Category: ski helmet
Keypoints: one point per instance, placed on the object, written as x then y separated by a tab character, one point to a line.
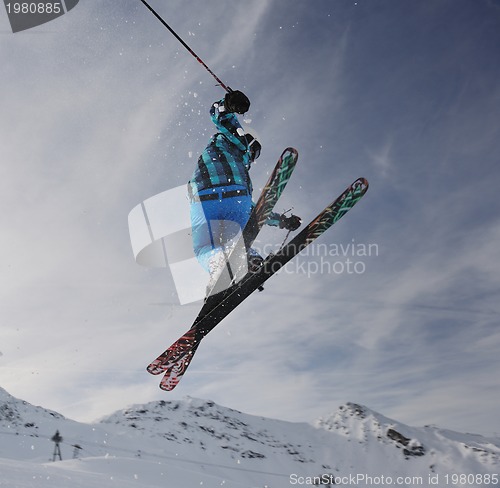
254	147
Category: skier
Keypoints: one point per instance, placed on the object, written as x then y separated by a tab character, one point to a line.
220	189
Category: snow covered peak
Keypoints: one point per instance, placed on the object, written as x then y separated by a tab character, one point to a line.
211	428
22	416
155	416
359	423
349	417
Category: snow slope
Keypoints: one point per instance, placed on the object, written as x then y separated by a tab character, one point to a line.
196	443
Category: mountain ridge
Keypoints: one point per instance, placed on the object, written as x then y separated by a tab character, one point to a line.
219	442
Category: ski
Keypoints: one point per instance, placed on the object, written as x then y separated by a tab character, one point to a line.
180	354
236	259
271	193
269	196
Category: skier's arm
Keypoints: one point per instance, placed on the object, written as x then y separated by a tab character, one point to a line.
227	123
274	219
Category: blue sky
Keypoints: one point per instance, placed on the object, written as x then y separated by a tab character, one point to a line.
103	108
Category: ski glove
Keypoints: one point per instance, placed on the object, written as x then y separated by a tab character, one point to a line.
290	223
254	147
236	101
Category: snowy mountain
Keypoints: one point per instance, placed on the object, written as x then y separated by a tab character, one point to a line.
196	443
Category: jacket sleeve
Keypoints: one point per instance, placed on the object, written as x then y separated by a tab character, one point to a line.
274	219
227	123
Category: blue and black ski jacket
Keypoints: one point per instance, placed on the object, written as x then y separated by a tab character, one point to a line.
226	159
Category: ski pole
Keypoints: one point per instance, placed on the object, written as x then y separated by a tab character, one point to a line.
186	46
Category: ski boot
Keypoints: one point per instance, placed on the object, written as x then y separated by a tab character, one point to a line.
255	262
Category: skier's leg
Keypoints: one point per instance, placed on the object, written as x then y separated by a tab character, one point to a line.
205	231
238	210
216	227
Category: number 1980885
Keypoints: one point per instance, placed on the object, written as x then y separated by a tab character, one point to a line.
34	8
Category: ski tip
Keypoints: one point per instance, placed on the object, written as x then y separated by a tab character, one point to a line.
168	386
155	368
172	377
364	181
